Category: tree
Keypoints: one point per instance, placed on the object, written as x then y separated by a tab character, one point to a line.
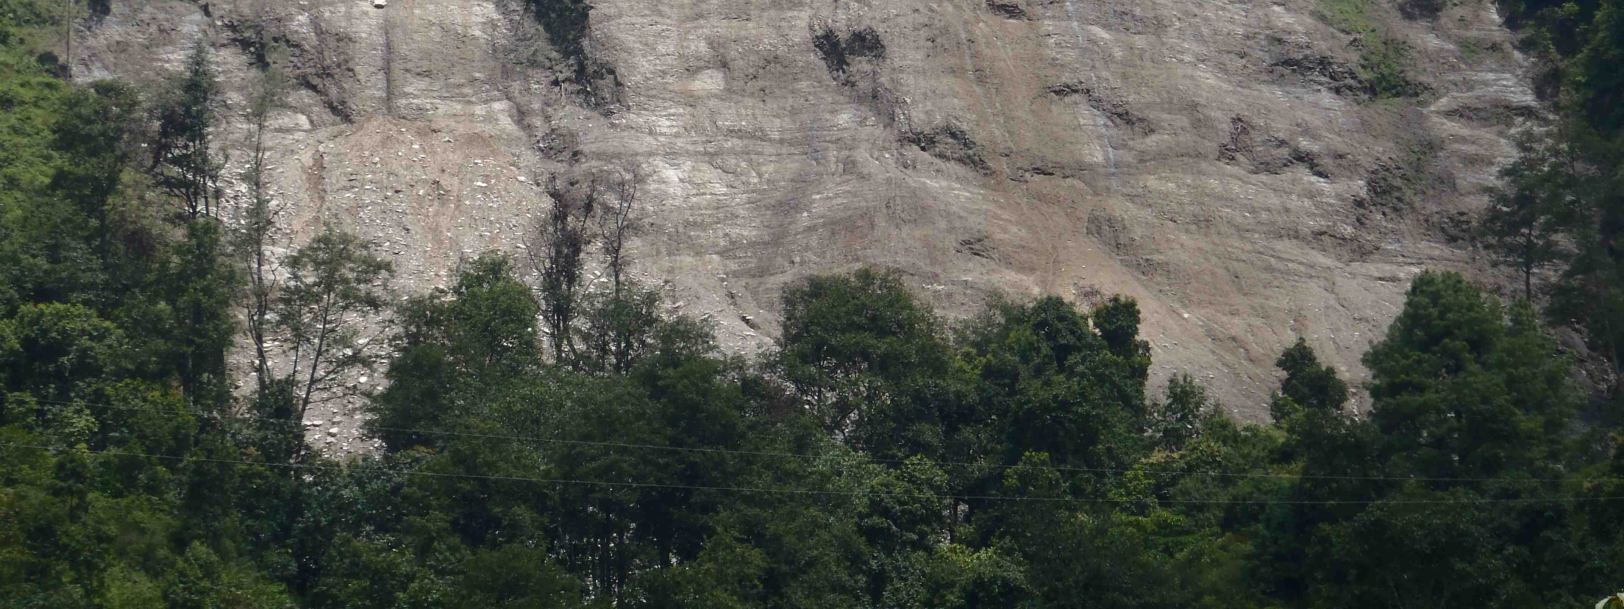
858	348
62	225
256	229
490	321
619	322
1459	390
55	351
1335	452
618	327
901	521
516	576
1117	321
330	281
183	162
1596	78
201	580
562	239
185	167
462	344
1527	223
200	286
617	224
1563	203
1049	383
1308	385
592	206
70	13
94	131
1423	555
1177	419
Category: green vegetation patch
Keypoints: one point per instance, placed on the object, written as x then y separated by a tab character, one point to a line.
1385	61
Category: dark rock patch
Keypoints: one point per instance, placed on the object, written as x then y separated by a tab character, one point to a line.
979	247
1268	154
1421	10
567	25
320	63
1008	9
839	53
1111	232
1322	71
949	143
1119	112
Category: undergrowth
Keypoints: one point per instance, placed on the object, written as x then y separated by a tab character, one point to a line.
1385	61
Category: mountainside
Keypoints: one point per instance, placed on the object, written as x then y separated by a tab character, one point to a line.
1249	171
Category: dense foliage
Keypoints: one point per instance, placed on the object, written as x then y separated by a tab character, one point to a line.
879	457
1560	219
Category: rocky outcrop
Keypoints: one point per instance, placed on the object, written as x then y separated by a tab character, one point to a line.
1223	162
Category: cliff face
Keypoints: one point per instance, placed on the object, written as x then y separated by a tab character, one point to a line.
1247	171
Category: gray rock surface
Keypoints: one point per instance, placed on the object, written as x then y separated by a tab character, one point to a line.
1218	160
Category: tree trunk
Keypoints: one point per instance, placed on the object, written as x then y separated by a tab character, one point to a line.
67	31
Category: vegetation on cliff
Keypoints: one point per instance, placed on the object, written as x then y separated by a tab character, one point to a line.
1560	217
612	456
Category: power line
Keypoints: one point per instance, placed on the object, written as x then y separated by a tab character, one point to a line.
815	457
819	492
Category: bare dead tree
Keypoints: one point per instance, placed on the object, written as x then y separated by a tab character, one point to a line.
616	223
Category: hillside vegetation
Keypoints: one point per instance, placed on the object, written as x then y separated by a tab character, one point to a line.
1559	219
562	443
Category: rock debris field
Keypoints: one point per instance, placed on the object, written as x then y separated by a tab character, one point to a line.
1224	162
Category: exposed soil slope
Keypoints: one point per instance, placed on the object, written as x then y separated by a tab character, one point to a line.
1242	168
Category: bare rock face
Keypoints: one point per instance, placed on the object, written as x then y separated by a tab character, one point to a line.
1230	164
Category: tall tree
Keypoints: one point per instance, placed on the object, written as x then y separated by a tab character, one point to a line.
70	14
1527	224
1050	383
561	240
618	327
256	226
457	347
617	223
95	132
619	322
1563	201
1460	389
1117	321
183	160
201	285
331	282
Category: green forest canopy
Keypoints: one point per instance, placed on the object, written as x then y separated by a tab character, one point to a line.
881	456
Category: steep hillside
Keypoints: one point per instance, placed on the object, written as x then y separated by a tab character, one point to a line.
1250	171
